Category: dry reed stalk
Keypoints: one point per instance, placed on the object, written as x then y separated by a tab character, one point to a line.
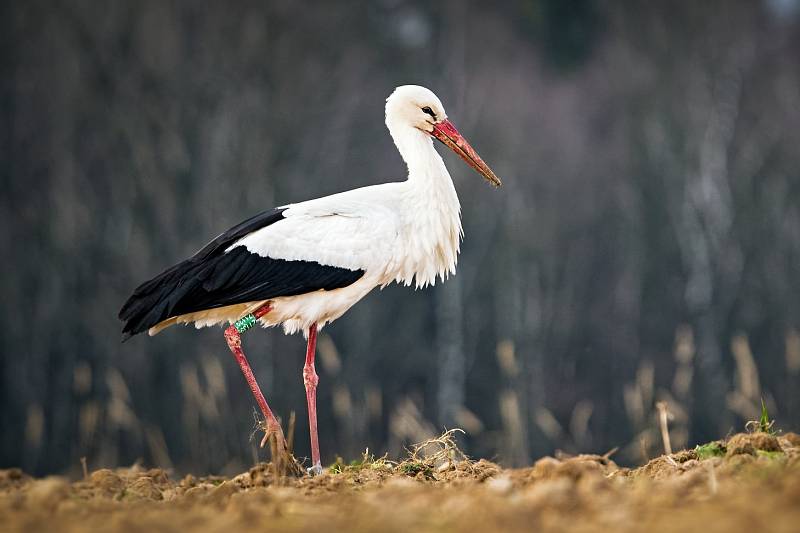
663	415
290	433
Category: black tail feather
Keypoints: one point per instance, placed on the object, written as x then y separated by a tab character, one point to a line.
237	276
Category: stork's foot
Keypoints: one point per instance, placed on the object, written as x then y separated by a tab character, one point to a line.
272	427
315	470
283	461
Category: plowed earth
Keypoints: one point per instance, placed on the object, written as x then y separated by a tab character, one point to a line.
751	482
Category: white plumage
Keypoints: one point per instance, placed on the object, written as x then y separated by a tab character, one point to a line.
408	232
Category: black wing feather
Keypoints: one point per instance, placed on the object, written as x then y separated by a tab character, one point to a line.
213	278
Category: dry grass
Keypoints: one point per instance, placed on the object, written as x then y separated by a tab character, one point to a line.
750	480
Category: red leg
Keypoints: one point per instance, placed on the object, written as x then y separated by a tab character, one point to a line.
310	380
234	339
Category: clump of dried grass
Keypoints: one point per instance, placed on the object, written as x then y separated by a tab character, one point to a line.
440	452
440	459
435	459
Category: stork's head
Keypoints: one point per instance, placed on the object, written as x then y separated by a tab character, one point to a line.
418	107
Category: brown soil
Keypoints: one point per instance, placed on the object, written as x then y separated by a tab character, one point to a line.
749	482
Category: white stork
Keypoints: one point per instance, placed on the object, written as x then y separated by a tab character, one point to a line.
303	265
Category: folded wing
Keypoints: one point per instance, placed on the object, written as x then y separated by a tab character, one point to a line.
285	251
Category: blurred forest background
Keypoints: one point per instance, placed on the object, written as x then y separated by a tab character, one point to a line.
645	247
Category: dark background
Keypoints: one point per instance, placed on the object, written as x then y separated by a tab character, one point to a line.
645	246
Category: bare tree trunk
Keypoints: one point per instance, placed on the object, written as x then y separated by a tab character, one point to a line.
450	348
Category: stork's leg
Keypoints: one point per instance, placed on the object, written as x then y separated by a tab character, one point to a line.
233	336
310	380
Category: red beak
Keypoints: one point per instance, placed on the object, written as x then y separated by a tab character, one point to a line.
448	134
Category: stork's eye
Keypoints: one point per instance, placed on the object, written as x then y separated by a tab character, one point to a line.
428	111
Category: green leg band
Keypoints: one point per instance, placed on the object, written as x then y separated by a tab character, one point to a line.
245	323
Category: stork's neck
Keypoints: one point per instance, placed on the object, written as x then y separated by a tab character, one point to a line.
431	211
427	174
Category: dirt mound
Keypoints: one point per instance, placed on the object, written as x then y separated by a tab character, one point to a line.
726	486
752	443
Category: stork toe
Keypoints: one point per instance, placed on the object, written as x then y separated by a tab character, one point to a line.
274	429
